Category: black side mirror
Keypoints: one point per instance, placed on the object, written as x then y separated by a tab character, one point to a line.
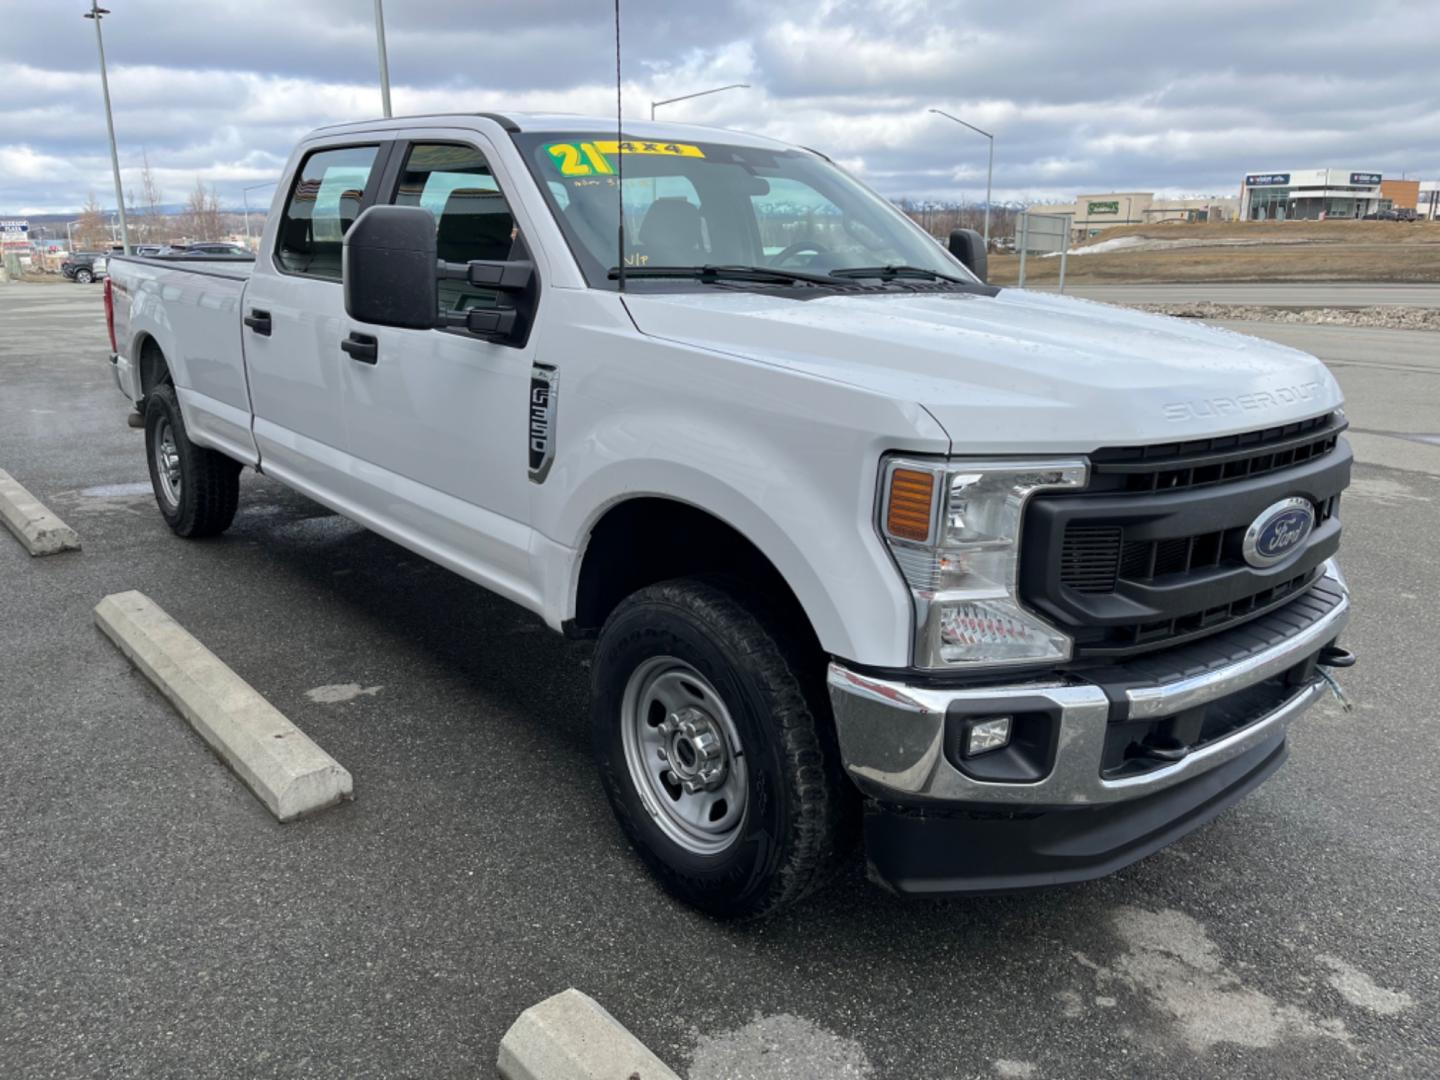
969	247
388	268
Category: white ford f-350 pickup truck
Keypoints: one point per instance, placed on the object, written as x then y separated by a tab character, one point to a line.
1023	586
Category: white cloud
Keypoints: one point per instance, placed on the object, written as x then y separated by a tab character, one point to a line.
1080	97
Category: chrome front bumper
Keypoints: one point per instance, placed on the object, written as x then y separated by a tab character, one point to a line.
892	734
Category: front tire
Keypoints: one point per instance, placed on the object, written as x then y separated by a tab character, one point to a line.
715	751
197	490
84	277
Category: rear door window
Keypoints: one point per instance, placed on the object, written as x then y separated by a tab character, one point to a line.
323	204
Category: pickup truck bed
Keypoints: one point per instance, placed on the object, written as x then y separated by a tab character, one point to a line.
202	300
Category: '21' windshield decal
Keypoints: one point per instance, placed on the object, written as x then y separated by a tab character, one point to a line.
594	158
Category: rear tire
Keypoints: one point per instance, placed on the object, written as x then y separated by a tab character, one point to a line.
703	664
197	490
84	277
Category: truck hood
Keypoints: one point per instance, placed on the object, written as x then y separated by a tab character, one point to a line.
1014	373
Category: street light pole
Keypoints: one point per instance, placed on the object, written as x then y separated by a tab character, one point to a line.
245	198
96	13
989	168
384	58
701	93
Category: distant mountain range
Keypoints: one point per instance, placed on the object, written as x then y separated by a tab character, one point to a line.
168	209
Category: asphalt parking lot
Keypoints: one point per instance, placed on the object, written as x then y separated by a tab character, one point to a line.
155	921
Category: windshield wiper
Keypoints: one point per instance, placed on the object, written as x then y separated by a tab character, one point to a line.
896	270
724	273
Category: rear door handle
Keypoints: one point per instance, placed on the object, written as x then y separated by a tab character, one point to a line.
362	347
259	321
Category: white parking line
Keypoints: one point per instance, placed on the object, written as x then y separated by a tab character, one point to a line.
37	528
570	1037
278	762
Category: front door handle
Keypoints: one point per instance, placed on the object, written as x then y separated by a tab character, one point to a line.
362	347
259	321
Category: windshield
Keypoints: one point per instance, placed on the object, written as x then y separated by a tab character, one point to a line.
691	204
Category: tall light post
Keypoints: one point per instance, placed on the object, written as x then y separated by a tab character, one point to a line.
96	13
384	58
245	198
989	169
701	93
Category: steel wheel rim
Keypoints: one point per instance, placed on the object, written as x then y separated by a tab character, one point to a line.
167	462
684	755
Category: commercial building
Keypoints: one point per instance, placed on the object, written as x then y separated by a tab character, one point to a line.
1399	194
1309	194
1427	202
1092	214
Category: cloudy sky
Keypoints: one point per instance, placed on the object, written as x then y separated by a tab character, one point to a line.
1082	96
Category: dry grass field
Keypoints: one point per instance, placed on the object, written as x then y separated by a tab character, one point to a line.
1244	251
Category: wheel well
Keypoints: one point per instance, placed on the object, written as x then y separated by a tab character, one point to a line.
642	541
153	369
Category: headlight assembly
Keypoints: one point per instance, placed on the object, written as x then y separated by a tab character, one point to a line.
954	529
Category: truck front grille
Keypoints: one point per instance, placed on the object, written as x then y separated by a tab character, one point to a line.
1150	555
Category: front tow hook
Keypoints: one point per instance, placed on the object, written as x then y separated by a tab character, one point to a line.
1336	657
1169	750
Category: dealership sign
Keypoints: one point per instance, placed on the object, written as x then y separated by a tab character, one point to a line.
1368	179
1102	207
1270	179
14	232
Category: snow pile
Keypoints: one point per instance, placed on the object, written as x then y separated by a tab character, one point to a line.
1387	317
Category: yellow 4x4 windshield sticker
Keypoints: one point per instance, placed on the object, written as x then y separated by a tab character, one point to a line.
593	158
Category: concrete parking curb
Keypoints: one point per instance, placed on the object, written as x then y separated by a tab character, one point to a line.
278	762
37	528
570	1037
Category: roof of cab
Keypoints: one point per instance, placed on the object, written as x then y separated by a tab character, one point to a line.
560	122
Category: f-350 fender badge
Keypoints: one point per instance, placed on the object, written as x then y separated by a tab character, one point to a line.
544	397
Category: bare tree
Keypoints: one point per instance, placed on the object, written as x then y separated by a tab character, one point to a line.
91	233
155	228
940	217
202	220
132	217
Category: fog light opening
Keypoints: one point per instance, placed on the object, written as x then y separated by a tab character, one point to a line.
986	735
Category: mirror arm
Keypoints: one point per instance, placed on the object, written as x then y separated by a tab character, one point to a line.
489	274
499	323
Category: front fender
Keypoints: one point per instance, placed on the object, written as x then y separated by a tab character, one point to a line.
810	518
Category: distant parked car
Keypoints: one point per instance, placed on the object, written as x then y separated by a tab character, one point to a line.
149	249
210	249
84	266
1394	213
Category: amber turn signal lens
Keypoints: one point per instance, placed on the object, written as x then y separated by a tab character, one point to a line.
912	493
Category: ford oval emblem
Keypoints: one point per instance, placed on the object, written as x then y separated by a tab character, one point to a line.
1278	532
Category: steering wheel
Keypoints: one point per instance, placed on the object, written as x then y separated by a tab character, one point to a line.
796	248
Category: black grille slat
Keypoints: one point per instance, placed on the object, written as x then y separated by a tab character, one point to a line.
1172	556
1185	626
1090	558
1200	462
1138	560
